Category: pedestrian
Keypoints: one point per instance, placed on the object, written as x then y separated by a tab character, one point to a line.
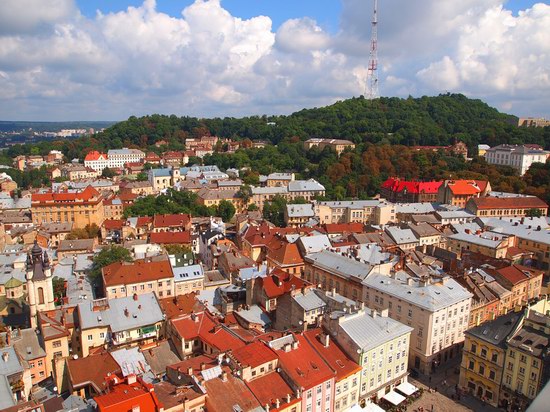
432	410
444	382
430	379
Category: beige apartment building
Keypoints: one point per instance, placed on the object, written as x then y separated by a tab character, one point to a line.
83	208
378	212
123	279
438	310
338	145
487	243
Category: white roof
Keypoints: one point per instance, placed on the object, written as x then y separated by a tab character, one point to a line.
407	388
296	210
401	236
305	186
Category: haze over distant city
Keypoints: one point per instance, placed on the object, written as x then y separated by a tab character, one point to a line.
94	60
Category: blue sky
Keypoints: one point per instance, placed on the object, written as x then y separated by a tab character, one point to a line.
253	57
325	12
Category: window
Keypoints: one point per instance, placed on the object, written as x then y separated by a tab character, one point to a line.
492	375
523	358
410	313
471	365
494	357
102	335
483	352
482	369
474	348
56	343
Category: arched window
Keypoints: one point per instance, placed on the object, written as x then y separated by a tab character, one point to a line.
40	296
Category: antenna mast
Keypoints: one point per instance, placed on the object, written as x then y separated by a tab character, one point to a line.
372	71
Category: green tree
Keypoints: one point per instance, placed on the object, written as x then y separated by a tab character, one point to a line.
534	213
274	211
108	173
87	232
226	210
107	256
141	177
245	193
58	289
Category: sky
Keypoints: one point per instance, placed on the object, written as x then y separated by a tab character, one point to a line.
110	59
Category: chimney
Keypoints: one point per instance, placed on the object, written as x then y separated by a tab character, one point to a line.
135	296
190	371
203	366
374	314
326	340
131	379
288	398
266	407
277	403
224	376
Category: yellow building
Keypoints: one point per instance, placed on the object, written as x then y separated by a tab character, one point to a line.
84	208
484	355
378	212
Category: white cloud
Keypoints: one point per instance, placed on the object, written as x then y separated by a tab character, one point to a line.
57	64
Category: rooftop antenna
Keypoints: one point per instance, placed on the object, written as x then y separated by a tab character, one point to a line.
372	71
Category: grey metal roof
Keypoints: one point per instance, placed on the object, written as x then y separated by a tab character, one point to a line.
274	190
338	264
455	214
369	332
305	185
309	301
296	210
401	236
27	344
432	296
496	331
354	204
6	395
486	239
11	365
316	243
143	311
132	361
185	273
254	315
414	208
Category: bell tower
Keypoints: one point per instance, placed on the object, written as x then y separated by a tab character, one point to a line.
39	283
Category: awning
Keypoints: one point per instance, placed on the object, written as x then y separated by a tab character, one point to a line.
407	388
369	407
393	397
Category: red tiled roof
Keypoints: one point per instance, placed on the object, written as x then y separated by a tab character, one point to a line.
397	185
111	224
95	155
303	365
124	273
180	305
465	187
222	396
124	397
280	283
164	238
333	228
92	369
518	273
86	195
490	202
195	363
286	254
254	354
268	388
144	221
179	220
206	329
332	355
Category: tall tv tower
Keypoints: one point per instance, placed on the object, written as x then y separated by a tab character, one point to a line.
372	70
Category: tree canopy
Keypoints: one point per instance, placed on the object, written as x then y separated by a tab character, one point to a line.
107	256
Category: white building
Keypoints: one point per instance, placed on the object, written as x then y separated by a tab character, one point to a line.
438	310
119	157
519	157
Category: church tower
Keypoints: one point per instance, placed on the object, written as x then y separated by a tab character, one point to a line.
39	283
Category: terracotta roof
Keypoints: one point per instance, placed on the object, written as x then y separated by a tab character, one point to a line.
518	273
91	370
465	187
124	397
164	238
253	354
280	283
268	388
333	228
303	365
332	355
286	254
397	185
111	224
207	330
223	396
179	220
490	202
124	273
144	221
95	155
84	196
195	363
180	305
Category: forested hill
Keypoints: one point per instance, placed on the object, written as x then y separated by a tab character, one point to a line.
438	120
